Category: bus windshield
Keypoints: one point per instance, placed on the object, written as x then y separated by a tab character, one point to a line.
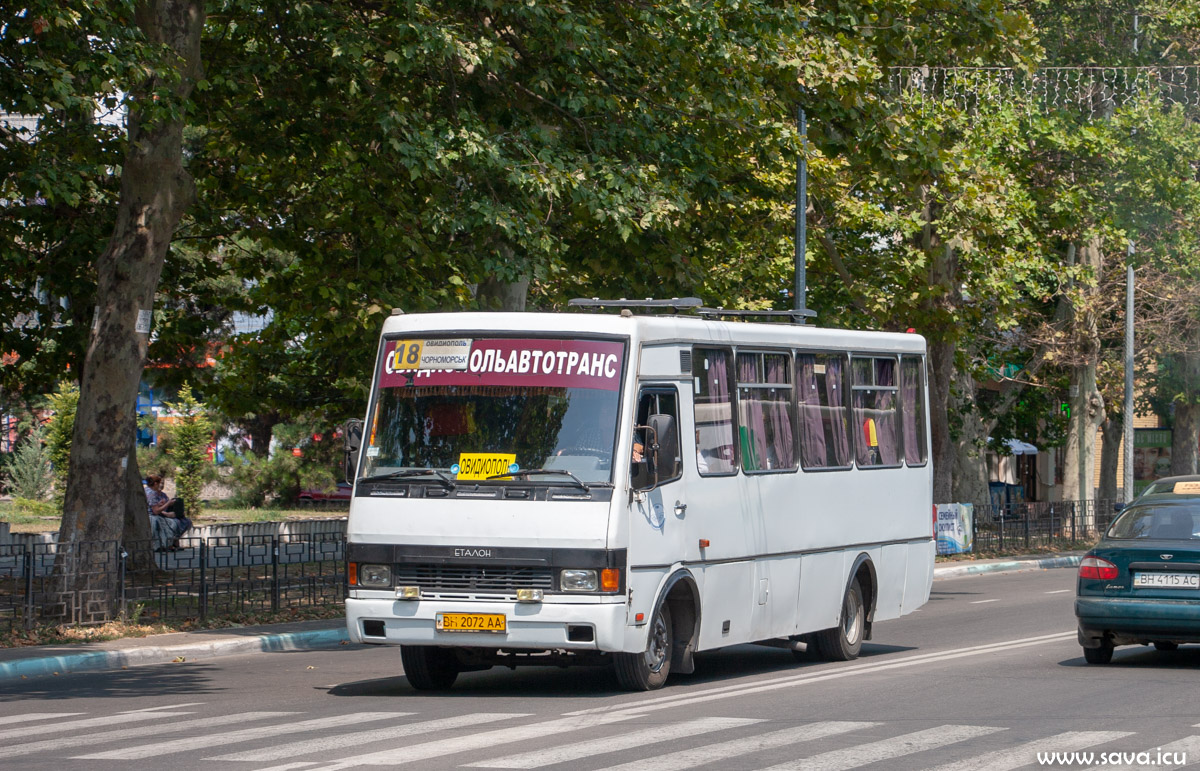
474	409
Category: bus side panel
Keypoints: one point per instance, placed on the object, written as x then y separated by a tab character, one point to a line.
776	591
724	599
820	601
644	586
891	572
920	575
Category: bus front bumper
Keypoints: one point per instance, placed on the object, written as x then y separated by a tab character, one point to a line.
592	626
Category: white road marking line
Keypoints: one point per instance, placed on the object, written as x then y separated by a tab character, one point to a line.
736	748
606	744
294	766
156	709
359	738
1060	591
1188	745
1026	754
436	749
884	749
849	670
91	722
86	740
27	717
188	743
980	602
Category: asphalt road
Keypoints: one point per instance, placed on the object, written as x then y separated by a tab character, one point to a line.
986	675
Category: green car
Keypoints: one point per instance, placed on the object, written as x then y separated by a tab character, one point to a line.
1141	583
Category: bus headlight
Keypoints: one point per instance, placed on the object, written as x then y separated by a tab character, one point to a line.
578	581
375	576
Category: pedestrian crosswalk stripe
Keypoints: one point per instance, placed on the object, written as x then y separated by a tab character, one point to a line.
91	722
734	748
189	743
1026	754
358	738
435	749
1188	745
895	747
85	740
591	747
30	716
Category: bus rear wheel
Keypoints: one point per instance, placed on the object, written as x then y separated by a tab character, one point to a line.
429	668
844	641
648	670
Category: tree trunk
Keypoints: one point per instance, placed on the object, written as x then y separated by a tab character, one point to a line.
495	295
155	191
970	480
943	346
135	534
1113	433
1186	432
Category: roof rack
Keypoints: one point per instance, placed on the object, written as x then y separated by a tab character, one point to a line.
676	304
797	316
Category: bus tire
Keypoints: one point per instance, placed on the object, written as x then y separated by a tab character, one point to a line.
844	641
429	668
648	670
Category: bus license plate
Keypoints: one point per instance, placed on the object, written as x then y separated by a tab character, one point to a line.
1167	580
471	622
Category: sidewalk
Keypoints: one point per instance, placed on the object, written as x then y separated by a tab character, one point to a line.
37	661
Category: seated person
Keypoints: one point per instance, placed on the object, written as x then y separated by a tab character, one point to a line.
166	514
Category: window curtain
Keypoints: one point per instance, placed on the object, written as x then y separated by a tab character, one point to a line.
885	377
911	412
813	452
718	454
752	429
835	397
783	444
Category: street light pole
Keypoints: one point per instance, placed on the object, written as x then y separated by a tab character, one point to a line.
801	294
1127	477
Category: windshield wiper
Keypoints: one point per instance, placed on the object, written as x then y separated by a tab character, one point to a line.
528	472
445	481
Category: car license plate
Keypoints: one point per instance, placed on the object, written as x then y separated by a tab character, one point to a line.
1167	580
471	622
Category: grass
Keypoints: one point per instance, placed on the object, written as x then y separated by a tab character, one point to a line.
221	514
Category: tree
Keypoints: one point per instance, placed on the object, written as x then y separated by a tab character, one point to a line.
191	434
155	190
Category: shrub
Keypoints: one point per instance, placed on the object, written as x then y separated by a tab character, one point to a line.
190	436
27	471
283	475
63	402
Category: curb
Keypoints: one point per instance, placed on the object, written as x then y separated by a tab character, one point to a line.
91	661
1012	566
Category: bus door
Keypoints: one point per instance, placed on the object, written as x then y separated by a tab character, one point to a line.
659	508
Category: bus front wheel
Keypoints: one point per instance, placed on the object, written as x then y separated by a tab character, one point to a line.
648	670
844	641
429	668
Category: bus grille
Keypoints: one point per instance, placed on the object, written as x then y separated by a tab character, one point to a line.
500	579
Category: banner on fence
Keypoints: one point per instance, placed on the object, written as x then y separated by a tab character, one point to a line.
955	528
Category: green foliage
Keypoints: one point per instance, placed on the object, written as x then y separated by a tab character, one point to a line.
191	434
63	404
27	471
282	476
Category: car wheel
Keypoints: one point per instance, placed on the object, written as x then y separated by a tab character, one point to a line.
1101	655
844	641
648	670
429	668
1162	645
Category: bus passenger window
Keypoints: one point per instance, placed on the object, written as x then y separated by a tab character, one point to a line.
874	409
765	411
711	378
912	409
821	396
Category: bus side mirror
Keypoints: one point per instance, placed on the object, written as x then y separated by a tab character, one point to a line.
666	460
353	433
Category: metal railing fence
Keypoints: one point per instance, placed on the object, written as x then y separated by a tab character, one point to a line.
97	582
1040	524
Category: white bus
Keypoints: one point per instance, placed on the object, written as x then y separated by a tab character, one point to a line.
595	488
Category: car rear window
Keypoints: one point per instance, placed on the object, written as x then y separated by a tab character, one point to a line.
1158	522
